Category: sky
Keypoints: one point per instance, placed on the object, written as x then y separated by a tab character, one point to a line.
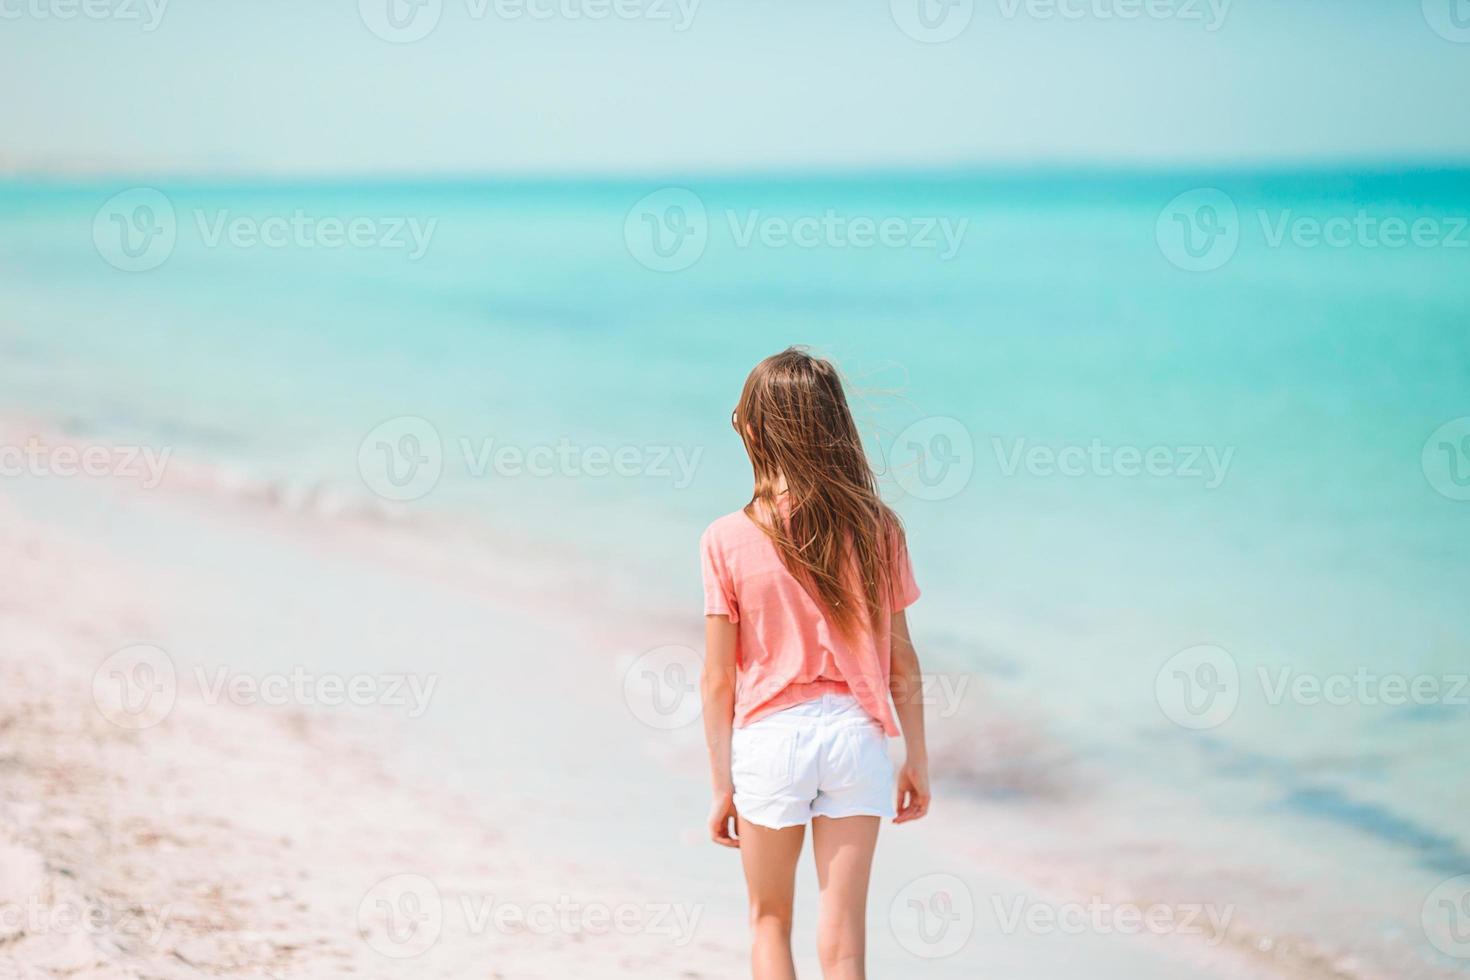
530	87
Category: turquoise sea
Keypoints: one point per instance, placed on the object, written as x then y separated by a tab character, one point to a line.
1290	350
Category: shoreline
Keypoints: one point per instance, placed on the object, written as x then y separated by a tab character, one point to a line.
559	824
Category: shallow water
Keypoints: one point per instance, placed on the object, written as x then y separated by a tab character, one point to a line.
1300	518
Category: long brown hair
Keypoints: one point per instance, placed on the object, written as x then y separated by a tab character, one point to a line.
832	531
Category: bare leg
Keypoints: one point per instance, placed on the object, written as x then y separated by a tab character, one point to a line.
769	857
843	848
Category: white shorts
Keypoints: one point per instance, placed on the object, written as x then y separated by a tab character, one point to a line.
822	758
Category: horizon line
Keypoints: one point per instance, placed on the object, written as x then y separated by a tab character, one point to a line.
1364	166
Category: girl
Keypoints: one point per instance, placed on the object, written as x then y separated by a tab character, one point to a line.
805	643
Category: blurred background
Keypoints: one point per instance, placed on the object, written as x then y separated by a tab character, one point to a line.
1156	317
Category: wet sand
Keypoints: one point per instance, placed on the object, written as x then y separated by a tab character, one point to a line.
504	811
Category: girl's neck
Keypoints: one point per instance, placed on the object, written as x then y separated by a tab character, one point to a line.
769	509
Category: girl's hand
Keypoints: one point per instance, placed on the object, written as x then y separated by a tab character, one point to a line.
913	791
722	820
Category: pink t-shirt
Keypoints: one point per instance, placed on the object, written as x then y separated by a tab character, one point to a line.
788	651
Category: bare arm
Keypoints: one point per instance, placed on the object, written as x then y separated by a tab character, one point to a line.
717	692
905	683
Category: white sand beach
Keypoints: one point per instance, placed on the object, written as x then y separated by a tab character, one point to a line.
495	806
